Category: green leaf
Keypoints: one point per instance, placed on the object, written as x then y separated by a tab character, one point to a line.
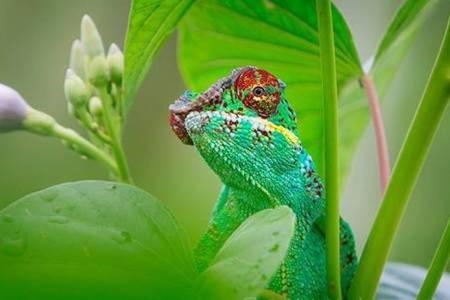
280	36
404	176
354	107
250	257
403	27
150	24
92	240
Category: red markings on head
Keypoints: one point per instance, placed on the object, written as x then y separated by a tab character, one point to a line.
177	123
259	90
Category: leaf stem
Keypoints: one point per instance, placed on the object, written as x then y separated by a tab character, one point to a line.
405	174
440	260
329	87
87	123
83	146
380	133
116	139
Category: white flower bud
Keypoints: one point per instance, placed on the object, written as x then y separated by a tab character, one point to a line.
77	59
115	64
13	109
98	71
75	90
95	106
90	37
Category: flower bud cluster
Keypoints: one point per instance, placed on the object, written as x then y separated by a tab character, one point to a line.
90	73
93	90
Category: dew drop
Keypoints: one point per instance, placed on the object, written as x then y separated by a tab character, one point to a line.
58	219
70	207
57	209
274	248
49	195
12	247
112	187
7	218
123	237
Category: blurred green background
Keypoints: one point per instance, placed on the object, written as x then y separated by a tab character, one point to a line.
35	39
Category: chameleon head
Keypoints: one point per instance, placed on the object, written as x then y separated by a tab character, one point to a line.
242	126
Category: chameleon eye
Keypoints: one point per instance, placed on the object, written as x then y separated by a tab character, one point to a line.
258	90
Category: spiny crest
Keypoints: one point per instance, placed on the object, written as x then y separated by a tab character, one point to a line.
246	91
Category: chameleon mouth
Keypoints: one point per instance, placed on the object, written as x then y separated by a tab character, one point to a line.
189	102
178	112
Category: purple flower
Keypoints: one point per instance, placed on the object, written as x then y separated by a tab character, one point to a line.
13	109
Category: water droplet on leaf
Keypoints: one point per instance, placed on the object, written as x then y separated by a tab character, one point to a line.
111	187
274	248
49	195
7	218
123	237
57	209
58	219
12	247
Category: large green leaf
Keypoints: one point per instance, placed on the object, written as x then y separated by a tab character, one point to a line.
150	23
92	240
281	36
250	257
354	107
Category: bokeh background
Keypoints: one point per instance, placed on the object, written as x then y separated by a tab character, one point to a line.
35	39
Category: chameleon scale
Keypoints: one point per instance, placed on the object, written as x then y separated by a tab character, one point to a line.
247	133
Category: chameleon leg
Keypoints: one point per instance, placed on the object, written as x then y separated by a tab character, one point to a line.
230	212
223	197
300	277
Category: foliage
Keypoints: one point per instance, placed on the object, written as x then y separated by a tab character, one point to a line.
150	24
289	48
395	44
407	169
98	239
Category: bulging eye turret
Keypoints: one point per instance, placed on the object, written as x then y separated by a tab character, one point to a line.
258	90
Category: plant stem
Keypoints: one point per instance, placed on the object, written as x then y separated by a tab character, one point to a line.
380	133
329	87
404	176
116	139
83	146
440	260
87	123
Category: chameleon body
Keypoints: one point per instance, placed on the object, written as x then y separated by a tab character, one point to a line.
246	131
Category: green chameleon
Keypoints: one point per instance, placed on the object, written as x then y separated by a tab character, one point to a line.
246	131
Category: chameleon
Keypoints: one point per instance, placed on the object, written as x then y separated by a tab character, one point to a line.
246	131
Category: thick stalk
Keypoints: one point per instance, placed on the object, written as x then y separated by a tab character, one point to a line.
116	139
384	167
404	176
329	87
440	260
40	123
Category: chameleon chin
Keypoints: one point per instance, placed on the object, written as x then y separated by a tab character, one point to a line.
245	130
